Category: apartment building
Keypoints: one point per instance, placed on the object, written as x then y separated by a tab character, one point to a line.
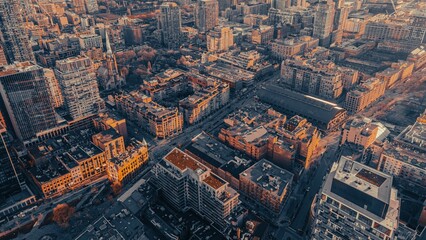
186	183
364	95
66	163
355	201
260	131
220	39
106	121
267	184
126	165
262	34
397	71
160	121
79	86
311	76
89	41
360	131
418	57
110	141
204	102
283	49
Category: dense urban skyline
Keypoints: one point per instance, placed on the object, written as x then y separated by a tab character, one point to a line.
213	119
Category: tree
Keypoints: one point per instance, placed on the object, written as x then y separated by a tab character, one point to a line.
62	214
116	188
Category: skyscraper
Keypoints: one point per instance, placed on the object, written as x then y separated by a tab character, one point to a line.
170	24
356	202
13	36
206	14
25	94
77	79
323	22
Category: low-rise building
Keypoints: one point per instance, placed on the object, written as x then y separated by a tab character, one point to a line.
360	131
396	72
167	84
186	183
418	57
364	95
323	114
219	39
262	34
65	163
125	166
282	49
204	102
260	131
267	184
110	141
160	121
106	121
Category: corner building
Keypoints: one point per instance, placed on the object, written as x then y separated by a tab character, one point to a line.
186	183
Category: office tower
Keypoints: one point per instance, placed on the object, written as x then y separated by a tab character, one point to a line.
9	179
323	22
170	24
206	14
355	202
25	94
77	79
187	183
14	39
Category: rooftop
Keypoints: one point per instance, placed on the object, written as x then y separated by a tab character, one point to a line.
360	187
268	176
184	161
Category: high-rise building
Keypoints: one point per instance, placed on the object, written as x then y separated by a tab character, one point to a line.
25	94
170	24
323	22
15	41
187	183
3	59
220	39
356	202
77	79
54	88
206	14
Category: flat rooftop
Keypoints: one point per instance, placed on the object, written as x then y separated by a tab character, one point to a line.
269	176
183	161
214	181
360	187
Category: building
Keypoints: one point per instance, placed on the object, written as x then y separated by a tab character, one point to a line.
17	46
364	95
79	85
259	131
267	184
186	183
355	201
110	77
405	157
159	121
110	141
418	57
125	166
204	102
65	163
55	92
91	6
224	161
206	14
133	35
89	41
282	49
170	24
262	34
25	92
325	115
360	131
220	39
106	121
3	59
319	78
396	72
323	22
